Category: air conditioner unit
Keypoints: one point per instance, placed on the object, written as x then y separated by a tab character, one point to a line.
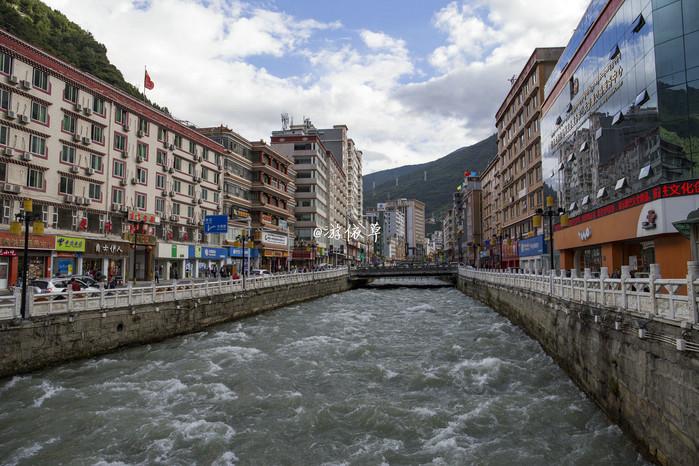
78	107
174	218
123	182
24	119
88	111
140	133
76	137
89	171
26	156
194	200
124	154
86	200
172	147
74	169
165	144
13	80
86	140
190	221
164	192
68	198
139	159
124	208
126	127
200	201
116	207
171	170
172	193
8	151
11	188
133	180
200	159
11	115
25	84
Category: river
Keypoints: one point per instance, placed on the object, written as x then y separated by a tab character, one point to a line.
401	376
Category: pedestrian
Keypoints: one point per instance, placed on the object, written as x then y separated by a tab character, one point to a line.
174	273
158	271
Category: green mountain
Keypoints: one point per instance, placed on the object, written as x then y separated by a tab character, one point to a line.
50	30
433	182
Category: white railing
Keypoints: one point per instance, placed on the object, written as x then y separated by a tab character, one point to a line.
69	302
656	298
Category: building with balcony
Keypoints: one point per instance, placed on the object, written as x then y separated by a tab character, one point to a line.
491	213
118	184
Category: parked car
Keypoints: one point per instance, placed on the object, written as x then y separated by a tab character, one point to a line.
260	273
58	285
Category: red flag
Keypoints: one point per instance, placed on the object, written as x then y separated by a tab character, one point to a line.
147	82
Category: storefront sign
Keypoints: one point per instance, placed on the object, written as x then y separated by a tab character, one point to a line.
238	252
136	216
8	253
173	251
10	241
68	244
266	218
272	238
585	234
531	246
65	266
239	212
271	253
141	239
106	248
203	252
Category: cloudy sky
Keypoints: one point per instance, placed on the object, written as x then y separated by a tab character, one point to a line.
413	79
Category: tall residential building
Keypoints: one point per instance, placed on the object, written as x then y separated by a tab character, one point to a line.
414	213
619	138
519	145
472	226
122	188
491	213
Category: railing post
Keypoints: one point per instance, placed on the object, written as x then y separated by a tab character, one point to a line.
625	275
153	293
174	290
692	274
18	302
587	275
70	299
30	302
130	296
603	275
102	297
651	288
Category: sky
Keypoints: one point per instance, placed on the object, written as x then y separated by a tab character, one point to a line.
412	79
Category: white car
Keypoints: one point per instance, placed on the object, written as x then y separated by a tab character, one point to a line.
260	273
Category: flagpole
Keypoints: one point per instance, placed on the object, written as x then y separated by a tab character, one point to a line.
145	73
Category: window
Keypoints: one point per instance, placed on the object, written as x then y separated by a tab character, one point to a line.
122	116
177	186
161	157
68	155
119	169
4	135
216	197
162	134
70	93
190	168
216	177
204	173
159	205
190	211
37	145
175	208
96	162
192	147
35	179
206	154
40	79
178	163
190	190
5	63
205	194
39	112
5	99
98	105
117	196
142	150
66	185
178	141
69	123
302	146
160	181
143	125
95	191
97	134
140	201
120	142
142	175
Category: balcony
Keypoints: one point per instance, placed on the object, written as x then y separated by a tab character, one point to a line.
271	189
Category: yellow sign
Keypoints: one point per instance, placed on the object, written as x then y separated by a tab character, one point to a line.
68	244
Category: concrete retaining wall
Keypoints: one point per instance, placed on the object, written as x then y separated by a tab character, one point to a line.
42	341
646	386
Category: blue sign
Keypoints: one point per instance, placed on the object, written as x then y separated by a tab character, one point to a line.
531	246
216	224
238	252
202	252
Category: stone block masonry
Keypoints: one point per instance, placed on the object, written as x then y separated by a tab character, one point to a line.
645	385
42	341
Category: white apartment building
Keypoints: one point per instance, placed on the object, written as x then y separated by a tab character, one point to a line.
121	187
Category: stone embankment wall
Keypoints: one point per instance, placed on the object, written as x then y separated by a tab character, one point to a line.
42	341
645	385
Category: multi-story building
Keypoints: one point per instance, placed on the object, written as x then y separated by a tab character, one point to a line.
414	212
448	235
320	191
491	213
394	228
472	230
619	138
519	145
237	194
119	185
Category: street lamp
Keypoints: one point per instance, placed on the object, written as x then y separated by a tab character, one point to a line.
550	212
16	228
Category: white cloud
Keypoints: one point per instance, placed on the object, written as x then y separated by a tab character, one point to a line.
199	55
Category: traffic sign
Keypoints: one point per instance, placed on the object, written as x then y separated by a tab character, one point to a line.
216	224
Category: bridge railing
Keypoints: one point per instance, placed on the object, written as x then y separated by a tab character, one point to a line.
42	304
670	300
378	269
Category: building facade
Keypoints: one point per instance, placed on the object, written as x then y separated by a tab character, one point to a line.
519	147
491	214
414	213
619	136
114	180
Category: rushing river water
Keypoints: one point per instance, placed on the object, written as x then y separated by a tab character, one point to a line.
398	376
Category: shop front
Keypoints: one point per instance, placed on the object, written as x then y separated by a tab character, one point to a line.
170	260
207	260
11	250
105	258
273	251
238	259
636	232
68	256
532	254
141	256
510	254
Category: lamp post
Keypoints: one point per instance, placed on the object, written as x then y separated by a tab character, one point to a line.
550	212
26	217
